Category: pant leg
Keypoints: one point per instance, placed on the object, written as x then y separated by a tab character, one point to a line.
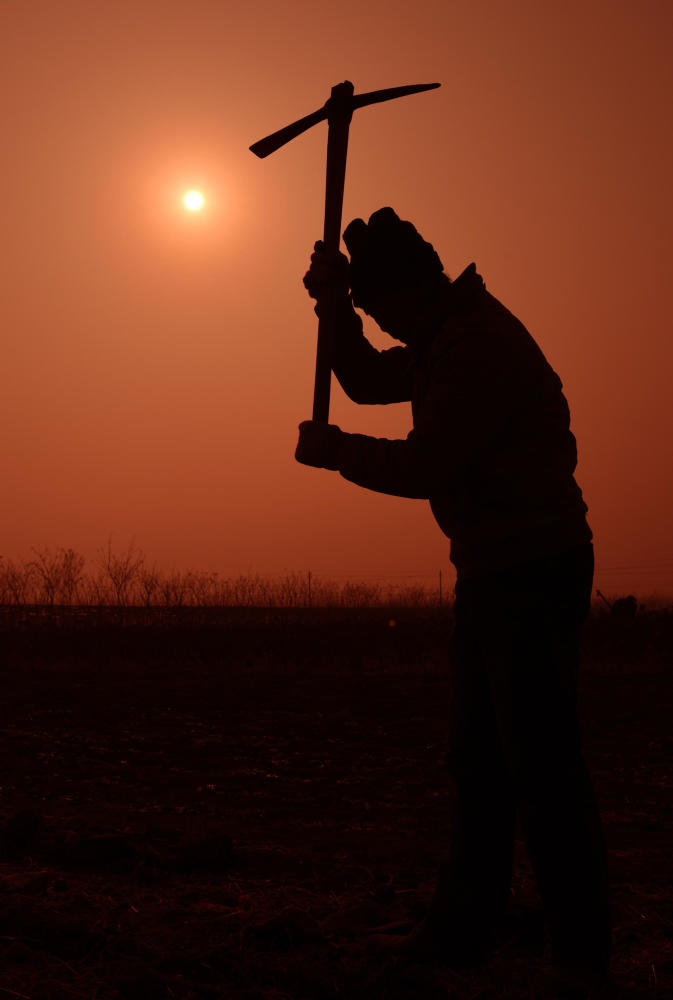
473	891
531	652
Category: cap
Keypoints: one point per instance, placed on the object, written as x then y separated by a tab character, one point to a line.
387	254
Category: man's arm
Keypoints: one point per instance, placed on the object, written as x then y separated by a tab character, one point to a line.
469	400
365	374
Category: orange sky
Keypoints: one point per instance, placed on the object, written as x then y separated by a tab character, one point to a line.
157	363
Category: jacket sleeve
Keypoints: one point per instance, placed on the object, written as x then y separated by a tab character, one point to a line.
365	374
468	400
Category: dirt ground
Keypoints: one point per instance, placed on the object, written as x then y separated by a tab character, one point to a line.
237	811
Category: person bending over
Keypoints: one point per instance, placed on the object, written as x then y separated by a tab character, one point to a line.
492	451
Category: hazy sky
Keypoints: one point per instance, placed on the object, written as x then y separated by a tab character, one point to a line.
157	362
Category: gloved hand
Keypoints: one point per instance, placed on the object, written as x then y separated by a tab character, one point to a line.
318	444
328	273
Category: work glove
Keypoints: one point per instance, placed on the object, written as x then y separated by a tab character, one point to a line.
328	273
319	444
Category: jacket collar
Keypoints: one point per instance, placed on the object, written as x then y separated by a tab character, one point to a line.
462	295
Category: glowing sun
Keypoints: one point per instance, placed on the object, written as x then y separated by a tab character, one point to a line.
193	201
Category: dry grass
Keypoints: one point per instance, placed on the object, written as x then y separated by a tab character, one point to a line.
123	579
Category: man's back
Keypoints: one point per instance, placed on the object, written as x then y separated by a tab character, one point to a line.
491	446
513	496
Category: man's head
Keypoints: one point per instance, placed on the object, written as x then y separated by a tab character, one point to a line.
395	275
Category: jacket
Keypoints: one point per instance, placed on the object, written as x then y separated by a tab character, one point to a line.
491	446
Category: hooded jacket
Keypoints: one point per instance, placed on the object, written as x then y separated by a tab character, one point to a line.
491	446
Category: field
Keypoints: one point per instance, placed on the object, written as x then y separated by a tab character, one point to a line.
204	808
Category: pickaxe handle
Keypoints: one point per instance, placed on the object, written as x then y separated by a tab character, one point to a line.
338	110
339	117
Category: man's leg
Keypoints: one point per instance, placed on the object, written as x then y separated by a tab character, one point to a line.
472	895
532	661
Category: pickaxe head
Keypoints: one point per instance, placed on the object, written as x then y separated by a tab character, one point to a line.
341	104
337	110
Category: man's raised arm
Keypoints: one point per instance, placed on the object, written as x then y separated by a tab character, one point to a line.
366	375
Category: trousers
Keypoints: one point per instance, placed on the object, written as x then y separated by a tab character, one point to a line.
515	744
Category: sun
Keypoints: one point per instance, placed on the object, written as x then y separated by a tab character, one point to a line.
193	201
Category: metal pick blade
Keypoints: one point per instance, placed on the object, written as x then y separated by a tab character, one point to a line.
376	96
277	139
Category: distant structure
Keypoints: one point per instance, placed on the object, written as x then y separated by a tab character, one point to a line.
623	609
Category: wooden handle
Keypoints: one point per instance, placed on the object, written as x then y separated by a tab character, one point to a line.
339	118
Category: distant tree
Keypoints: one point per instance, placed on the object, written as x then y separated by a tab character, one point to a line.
293	590
173	589
47	570
412	596
73	569
241	591
360	595
264	595
58	574
202	589
121	570
17	581
94	589
148	584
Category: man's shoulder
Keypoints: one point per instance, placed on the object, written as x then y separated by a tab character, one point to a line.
489	337
475	329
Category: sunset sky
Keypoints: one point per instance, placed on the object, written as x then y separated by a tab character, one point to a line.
157	361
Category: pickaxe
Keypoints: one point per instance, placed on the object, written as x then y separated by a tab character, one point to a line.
338	110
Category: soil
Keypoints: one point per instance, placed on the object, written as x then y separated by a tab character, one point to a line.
252	809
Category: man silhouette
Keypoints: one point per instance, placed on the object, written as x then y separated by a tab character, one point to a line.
491	449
